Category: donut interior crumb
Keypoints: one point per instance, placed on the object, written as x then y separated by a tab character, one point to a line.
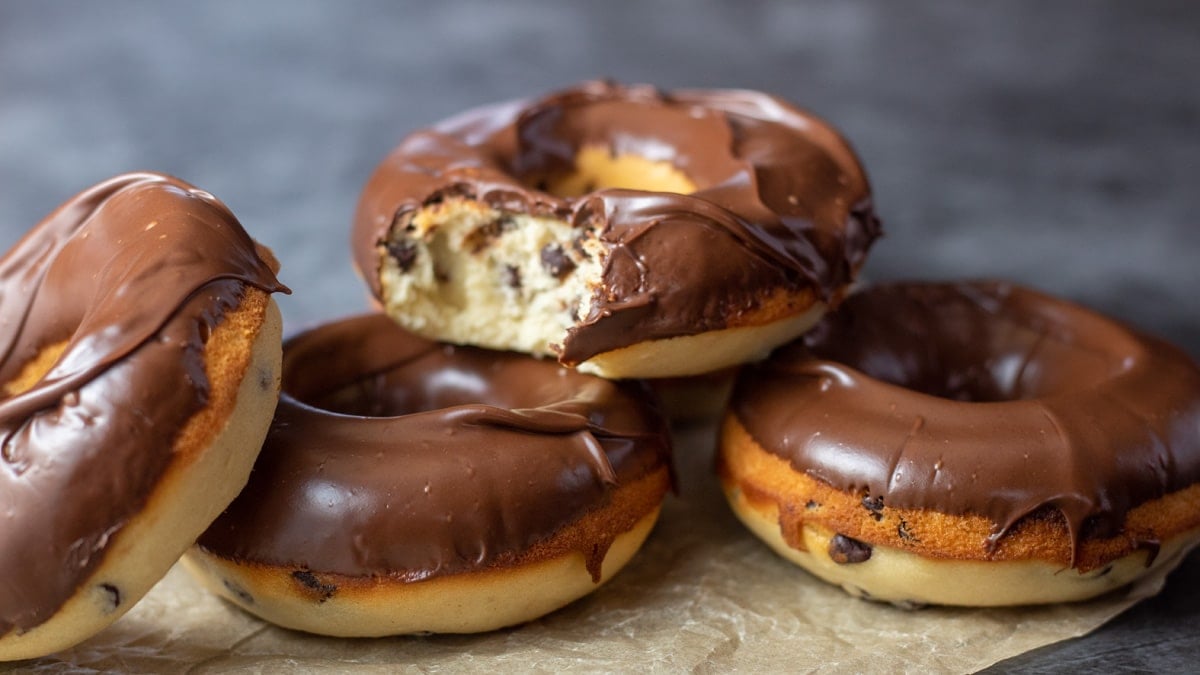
470	273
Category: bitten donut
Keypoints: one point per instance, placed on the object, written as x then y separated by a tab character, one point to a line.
140	371
629	232
410	487
969	444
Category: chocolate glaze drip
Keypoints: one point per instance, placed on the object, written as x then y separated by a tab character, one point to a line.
781	201
981	398
391	455
132	274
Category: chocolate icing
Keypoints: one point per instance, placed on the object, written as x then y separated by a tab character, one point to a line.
981	398
781	201
391	455
133	274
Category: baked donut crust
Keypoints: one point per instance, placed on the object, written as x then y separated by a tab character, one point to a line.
411	487
916	557
149	510
969	444
625	231
489	599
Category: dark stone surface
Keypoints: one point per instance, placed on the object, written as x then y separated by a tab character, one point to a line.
1054	143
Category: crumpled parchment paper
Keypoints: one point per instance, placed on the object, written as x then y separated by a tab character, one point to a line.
703	595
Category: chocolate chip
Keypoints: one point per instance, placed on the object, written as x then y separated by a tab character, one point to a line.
403	220
904	533
874	505
482	236
810	505
577	245
512	276
313	584
843	550
238	592
405	253
112	599
1152	547
555	260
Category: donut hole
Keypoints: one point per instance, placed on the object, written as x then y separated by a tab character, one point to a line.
404	392
955	344
436	377
597	168
632	142
33	371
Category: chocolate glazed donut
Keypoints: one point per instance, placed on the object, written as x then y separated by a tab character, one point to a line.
140	362
975	443
408	486
627	231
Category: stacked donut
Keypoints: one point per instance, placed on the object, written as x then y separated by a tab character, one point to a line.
482	451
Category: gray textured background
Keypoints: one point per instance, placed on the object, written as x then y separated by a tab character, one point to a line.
1054	143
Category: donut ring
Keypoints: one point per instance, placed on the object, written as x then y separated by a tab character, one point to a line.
476	490
969	444
629	232
140	370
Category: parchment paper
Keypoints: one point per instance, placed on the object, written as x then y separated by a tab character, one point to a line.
703	595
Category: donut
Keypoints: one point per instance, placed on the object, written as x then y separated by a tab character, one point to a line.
626	231
140	370
411	487
976	444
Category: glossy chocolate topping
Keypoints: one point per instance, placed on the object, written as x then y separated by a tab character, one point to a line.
132	274
981	398
394	456
781	201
